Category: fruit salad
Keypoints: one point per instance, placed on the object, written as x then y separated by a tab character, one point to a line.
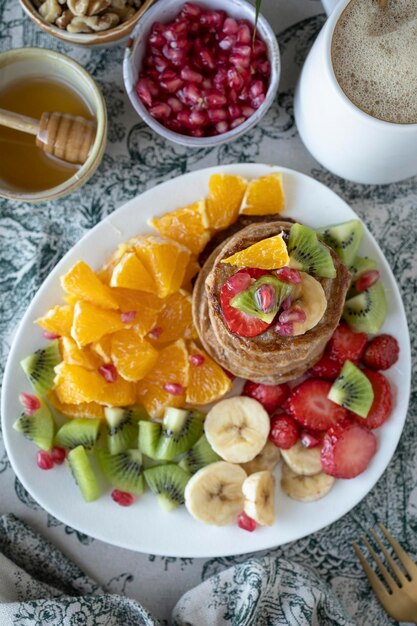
131	385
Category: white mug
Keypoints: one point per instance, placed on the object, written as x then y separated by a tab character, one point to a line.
342	137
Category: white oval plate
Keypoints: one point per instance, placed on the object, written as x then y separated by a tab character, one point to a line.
145	527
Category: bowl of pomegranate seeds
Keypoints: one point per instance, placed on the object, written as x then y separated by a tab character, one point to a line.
201	75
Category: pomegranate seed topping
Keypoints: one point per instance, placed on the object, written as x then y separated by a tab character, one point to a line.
285	330
50	336
196	359
207	83
256	102
287	303
265	298
177	57
230	26
161	64
175	389
184	118
247	111
214	98
191	10
217	115
245	522
234	111
292	315
175	104
227	42
44	460
222	127
156	332
310	440
244	34
239	282
239	61
192	94
160	111
58	455
207	59
128	316
289	275
124	498
366	280
264	68
244	51
156	39
237	122
198	118
30	403
190	75
258	48
232	96
197	132
172	85
256	88
108	372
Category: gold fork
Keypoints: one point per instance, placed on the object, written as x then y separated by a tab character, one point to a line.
398	595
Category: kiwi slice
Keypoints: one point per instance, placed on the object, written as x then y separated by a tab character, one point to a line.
247	303
149	435
39	427
360	265
83	473
122	427
353	390
39	367
168	483
367	311
180	431
81	431
123	470
308	254
200	455
344	239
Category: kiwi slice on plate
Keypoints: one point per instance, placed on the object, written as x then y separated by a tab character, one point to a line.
367	311
122	427
344	239
360	265
39	367
123	470
81	431
180	431
308	254
353	390
200	455
248	301
83	473
39	427
168	483
149	435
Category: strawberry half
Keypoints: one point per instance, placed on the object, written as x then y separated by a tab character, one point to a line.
327	368
271	397
381	352
346	345
347	450
382	405
236	321
309	405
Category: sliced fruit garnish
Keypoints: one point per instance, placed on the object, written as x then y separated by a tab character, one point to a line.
189	226
83	283
39	427
224	200
382	405
165	259
236	321
58	320
83	409
305	488
133	357
123	470
39	367
284	431
83	474
122	427
267	254
102	348
208	381
309	405
308	254
267	459
74	355
200	455
272	397
191	270
134	300
74	384
259	492
130	273
360	265
263	298
352	390
381	353
303	461
327	367
346	344
306	307
367	311
347	450
81	431
168	483
344	239
179	431
264	196
91	323
175	320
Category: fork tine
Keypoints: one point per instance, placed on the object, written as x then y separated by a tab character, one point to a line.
389	581
379	589
401	554
397	571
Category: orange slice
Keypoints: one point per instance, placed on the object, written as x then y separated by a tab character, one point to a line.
133	357
268	254
191	270
102	348
175	321
74	355
264	196
165	259
172	366
133	300
75	384
225	197
207	382
91	323
105	272
131	273
84	284
189	226
58	320
84	409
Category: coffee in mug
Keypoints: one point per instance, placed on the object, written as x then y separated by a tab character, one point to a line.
374	58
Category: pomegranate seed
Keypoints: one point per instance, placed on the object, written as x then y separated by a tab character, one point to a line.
258	48
190	75
156	332
156	39
161	64
198	118
44	460
256	88
177	57
175	126
175	389
289	275
217	115
292	315
247	111
244	34
245	522
108	372
230	26
196	359
171	86
256	102
124	498
184	118
232	96
175	104
220	78
287	303
50	336
192	94
265	298
244	51
222	127
207	59
128	316
58	455
30	403
214	98
234	111
239	61
175	31
239	282
310	440
160	111
197	132
263	67
367	280
227	42
286	330
207	83
237	122
191	10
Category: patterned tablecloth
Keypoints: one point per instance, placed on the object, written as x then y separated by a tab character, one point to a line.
34	238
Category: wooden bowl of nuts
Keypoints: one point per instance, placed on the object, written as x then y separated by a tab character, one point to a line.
87	22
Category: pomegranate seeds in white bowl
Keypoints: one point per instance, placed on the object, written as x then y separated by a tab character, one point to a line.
196	73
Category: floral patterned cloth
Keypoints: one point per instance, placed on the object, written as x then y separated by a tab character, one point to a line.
34	238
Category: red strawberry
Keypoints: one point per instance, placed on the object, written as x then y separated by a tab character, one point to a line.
237	322
346	345
381	352
271	397
309	405
284	431
347	450
382	405
310	440
327	368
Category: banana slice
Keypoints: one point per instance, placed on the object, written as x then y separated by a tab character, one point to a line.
237	429
214	494
305	488
267	459
259	492
310	297
304	461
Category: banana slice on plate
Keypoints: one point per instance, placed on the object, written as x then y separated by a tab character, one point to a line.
267	459
305	488
259	492
214	494
237	429
310	297
304	461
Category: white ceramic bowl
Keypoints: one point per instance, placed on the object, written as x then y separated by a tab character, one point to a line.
166	10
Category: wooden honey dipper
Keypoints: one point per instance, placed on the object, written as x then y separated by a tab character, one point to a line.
68	137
